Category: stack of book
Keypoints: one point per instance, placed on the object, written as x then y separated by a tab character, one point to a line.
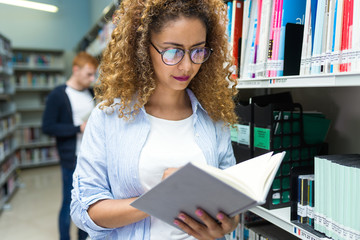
280	38
305	204
331	40
337	209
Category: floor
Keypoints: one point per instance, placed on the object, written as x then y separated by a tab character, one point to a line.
32	212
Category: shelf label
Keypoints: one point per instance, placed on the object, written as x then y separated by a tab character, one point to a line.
262	138
305	234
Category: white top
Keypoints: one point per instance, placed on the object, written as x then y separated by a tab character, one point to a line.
170	144
81	104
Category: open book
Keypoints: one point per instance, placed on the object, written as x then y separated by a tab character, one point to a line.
195	185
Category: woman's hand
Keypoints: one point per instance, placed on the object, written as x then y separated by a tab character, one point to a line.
210	229
168	172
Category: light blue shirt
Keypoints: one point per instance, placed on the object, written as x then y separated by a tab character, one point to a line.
108	164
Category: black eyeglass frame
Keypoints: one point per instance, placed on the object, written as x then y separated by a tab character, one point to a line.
184	50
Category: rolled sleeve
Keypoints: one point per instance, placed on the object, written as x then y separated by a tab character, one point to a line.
90	180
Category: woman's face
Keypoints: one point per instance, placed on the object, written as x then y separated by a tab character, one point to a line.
184	33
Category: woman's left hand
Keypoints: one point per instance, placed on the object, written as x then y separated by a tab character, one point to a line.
210	229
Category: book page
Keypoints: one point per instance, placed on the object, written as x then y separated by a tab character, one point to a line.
252	177
255	173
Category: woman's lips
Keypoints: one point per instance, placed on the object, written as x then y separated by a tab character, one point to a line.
182	78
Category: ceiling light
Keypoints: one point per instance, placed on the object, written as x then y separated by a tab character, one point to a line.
30	4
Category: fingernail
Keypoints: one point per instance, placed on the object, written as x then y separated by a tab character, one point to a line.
182	217
199	213
220	216
176	222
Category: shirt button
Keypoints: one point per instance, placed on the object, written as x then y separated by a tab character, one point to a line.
197	135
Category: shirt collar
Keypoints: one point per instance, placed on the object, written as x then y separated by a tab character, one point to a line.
195	104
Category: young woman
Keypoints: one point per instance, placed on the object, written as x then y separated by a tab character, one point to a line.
165	101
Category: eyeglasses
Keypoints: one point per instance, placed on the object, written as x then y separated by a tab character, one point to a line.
173	56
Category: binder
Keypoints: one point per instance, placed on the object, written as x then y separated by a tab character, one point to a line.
292	49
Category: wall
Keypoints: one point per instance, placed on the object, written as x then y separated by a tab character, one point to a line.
97	8
27	28
338	104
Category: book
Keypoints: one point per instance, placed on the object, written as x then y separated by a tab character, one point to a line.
244	37
292	12
271	51
306	44
249	48
355	62
231	191
229	16
335	63
261	58
236	32
336	208
318	37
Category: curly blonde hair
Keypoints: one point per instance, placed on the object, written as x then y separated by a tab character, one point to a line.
126	70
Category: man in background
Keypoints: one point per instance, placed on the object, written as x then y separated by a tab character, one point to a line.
67	108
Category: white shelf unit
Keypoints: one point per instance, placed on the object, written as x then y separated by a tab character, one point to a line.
309	81
36	73
8	124
336	95
281	218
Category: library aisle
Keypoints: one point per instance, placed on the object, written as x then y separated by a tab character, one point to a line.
33	211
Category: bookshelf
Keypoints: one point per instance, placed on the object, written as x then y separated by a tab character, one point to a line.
8	125
323	72
36	73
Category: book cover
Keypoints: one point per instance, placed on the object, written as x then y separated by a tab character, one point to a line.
245	29
306	41
237	23
346	34
276	42
273	22
261	57
250	43
355	63
257	37
245	185
330	35
292	50
292	12
318	37
325	36
229	15
335	62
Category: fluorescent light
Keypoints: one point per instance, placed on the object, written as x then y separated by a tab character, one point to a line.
30	4
106	9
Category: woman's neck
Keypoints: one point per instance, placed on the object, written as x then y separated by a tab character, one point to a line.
169	105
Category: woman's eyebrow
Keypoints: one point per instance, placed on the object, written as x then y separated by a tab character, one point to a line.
180	45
